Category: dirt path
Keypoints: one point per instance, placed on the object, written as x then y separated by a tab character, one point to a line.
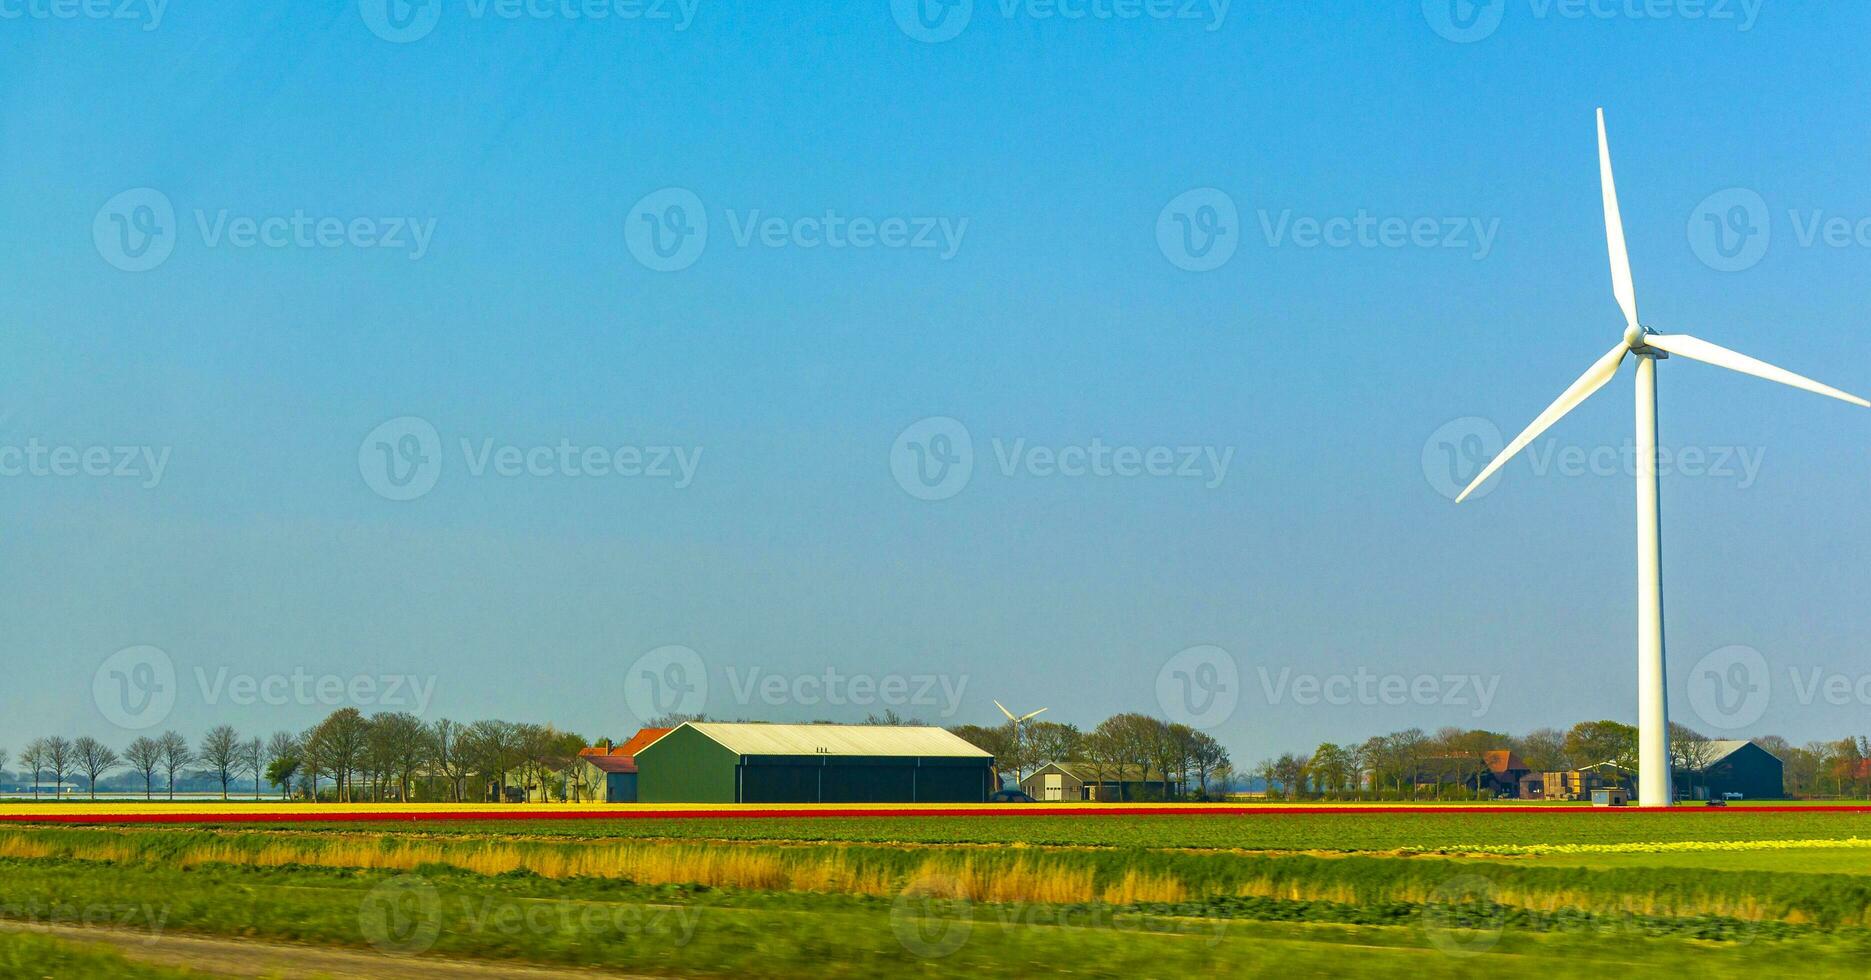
253	958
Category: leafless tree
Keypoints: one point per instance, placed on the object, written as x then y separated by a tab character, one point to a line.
176	756
253	761
145	756
401	745
221	754
59	758
445	737
94	760
34	758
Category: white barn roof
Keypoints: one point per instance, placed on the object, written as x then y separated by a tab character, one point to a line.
873	740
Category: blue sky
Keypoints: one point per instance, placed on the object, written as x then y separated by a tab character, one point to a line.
480	181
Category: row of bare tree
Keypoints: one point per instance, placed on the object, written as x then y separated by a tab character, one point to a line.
1126	748
222	754
348	757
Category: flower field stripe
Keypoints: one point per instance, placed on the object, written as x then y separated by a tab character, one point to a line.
189	813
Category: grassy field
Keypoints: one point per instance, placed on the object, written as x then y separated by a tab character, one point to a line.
1436	894
1270	830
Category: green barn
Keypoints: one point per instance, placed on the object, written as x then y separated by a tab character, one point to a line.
709	762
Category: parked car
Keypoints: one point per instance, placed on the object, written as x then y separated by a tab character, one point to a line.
1009	796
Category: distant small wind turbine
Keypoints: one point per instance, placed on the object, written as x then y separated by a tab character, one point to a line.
1653	747
1017	721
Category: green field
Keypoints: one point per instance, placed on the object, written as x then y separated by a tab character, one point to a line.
1273	830
1724	894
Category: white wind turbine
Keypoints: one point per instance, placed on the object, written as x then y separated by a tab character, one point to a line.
1017	722
1653	786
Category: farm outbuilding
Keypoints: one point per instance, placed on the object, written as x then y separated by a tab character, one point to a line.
612	778
710	762
610	773
1734	766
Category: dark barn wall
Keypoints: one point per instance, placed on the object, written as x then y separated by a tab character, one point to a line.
845	779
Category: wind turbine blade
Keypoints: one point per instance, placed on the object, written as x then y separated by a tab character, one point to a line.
1707	353
1621	284
1004	711
1033	714
1593	379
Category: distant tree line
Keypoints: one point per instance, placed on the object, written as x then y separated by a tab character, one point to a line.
346	757
1412	764
1125	748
